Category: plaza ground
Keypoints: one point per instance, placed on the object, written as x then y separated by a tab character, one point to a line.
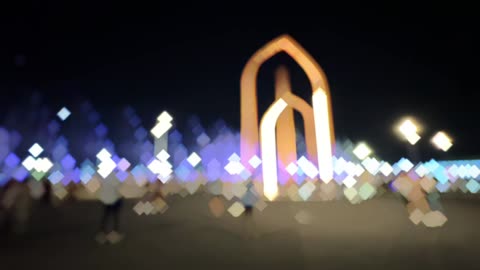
376	234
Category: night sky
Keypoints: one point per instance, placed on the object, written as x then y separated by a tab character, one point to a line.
382	64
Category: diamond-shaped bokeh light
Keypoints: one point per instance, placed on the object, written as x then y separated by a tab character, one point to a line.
255	161
63	114
163	155
194	159
35	150
362	151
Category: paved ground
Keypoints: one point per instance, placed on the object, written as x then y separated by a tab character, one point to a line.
375	234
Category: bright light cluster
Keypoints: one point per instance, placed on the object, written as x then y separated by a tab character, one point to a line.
214	165
107	165
164	123
161	167
35	165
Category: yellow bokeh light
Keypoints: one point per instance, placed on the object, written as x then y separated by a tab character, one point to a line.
362	151
408	127
409	130
442	141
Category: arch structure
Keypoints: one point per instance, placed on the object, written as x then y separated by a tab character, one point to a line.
277	124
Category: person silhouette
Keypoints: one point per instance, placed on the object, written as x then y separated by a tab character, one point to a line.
248	200
112	205
16	203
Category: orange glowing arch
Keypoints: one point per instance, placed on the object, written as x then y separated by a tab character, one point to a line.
248	85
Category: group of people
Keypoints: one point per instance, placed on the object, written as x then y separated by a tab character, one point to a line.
16	205
17	202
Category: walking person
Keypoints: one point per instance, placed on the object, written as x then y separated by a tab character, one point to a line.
112	205
249	199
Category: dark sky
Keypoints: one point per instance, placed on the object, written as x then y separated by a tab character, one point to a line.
382	63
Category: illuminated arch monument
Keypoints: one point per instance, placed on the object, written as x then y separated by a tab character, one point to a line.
277	123
275	139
